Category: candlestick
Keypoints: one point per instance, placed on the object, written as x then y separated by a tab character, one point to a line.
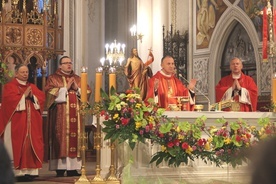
112	78
83	179
98	84
84	84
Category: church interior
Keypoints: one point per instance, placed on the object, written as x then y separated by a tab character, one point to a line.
201	35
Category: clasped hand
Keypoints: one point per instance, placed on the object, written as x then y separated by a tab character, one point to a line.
72	84
236	85
28	92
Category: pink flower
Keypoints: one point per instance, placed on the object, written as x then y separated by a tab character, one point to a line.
176	142
147	128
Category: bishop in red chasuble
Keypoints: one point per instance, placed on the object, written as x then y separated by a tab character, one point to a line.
238	87
164	87
21	123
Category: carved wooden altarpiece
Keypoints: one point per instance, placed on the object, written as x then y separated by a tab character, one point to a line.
31	33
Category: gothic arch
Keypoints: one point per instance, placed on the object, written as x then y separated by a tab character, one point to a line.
39	58
226	24
18	58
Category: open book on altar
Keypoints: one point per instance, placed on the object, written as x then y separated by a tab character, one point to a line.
223	105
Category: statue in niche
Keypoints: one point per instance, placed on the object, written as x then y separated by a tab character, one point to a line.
240	46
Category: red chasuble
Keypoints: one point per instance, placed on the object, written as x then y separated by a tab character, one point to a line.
169	88
26	125
246	82
64	120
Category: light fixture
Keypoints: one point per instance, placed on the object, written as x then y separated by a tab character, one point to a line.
115	55
134	35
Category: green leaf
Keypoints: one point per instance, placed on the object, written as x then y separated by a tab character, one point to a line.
160	111
263	121
219	142
154	158
200	120
221	120
112	90
103	94
185	126
109	135
109	123
234	126
159	161
164	128
131	144
171	161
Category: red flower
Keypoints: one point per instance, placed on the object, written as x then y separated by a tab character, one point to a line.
106	117
238	138
161	135
150	126
185	145
170	144
129	91
268	131
125	121
201	142
102	113
146	114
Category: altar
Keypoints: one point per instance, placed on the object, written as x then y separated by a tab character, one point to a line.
137	161
212	116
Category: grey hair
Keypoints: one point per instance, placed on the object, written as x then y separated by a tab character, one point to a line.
16	68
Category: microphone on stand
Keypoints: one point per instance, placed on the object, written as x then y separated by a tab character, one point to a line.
209	102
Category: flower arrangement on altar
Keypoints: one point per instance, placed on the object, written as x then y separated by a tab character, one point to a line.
128	118
231	140
181	141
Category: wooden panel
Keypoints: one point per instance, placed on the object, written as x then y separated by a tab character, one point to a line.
13	35
34	36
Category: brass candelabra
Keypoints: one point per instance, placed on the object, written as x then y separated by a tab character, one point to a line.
97	139
83	179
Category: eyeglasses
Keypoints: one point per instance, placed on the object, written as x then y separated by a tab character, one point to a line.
66	63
